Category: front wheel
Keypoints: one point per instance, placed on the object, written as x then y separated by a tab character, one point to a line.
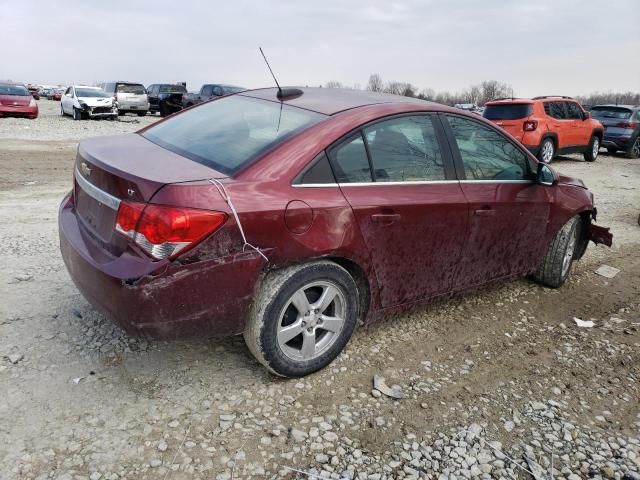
634	150
302	318
547	151
77	114
591	153
556	265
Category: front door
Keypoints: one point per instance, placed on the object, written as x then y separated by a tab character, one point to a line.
508	211
411	210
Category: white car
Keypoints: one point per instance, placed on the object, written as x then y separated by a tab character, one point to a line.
131	97
82	102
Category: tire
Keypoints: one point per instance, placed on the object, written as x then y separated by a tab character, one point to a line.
634	150
547	151
142	114
612	151
164	110
62	114
591	153
556	264
77	114
274	313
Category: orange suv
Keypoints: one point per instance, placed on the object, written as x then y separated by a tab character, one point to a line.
548	126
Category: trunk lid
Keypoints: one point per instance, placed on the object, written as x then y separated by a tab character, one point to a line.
110	169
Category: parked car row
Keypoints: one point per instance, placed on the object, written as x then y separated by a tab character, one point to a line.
17	101
553	125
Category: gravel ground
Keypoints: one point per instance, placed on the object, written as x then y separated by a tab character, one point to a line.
494	382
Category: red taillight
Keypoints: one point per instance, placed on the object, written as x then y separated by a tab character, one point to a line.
164	231
626	125
530	125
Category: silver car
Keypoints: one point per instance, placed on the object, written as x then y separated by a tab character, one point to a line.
130	97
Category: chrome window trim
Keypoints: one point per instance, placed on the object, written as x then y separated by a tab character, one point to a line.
415	182
94	192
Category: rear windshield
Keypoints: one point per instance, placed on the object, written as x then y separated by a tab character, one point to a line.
228	89
172	89
509	111
131	88
229	133
91	92
611	112
16	90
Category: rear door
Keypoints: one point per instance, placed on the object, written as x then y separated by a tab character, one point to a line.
558	122
398	177
508	212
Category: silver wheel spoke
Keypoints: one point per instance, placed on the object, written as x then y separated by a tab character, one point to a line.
331	324
308	345
288	333
301	302
326	298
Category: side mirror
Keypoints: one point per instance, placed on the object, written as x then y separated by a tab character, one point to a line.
544	175
586	115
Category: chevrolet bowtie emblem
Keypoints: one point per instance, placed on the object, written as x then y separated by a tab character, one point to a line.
86	171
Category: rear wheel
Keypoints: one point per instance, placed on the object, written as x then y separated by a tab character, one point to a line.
302	318
547	151
556	265
634	150
164	110
591	153
62	114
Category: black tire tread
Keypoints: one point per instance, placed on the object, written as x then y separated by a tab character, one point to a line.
550	271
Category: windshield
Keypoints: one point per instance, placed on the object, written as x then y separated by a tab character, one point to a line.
229	133
611	112
508	111
91	92
134	88
172	89
15	90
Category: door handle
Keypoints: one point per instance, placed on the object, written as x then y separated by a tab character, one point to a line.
385	218
485	212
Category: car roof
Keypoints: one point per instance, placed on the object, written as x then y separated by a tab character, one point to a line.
330	101
86	86
609	105
10	82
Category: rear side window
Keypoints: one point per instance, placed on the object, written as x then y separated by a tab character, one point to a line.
405	149
555	110
231	132
133	88
486	154
350	161
611	112
509	111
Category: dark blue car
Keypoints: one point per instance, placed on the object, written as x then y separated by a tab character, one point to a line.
621	128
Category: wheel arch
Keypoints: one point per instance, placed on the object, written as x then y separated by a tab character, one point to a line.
553	136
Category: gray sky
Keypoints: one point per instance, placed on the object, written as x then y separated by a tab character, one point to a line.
538	46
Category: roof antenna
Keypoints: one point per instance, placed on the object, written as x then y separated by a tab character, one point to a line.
287	92
269	67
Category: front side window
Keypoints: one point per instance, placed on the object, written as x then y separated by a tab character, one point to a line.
486	154
350	162
231	132
573	111
405	149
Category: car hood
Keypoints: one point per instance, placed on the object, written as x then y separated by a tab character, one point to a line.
15	100
96	101
576	182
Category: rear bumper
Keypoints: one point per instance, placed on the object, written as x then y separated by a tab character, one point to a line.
133	107
11	111
159	299
619	142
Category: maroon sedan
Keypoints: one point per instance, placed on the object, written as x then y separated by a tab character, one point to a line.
289	216
16	101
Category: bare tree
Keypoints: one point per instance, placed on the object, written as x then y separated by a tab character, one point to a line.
492	89
333	84
375	83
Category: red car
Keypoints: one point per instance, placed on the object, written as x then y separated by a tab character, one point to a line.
16	101
289	216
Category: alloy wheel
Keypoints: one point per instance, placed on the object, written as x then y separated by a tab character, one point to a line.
311	320
596	147
547	151
636	148
568	254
